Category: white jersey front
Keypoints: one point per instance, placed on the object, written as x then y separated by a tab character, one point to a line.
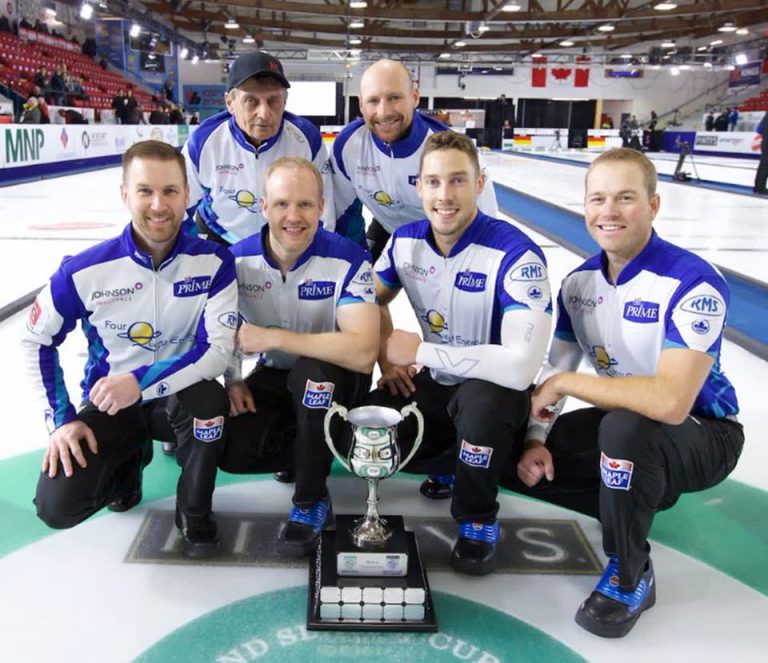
382	176
666	297
331	273
226	173
460	300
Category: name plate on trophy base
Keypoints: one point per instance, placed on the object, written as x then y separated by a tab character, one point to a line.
388	559
367	603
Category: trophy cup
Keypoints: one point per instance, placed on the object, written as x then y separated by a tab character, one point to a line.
367	574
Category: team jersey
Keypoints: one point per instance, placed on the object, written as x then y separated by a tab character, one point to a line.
460	300
332	272
170	327
382	176
226	173
666	297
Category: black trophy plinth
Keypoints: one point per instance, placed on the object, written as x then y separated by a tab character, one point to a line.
371	589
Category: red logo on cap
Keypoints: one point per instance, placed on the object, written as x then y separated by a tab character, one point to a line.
274	67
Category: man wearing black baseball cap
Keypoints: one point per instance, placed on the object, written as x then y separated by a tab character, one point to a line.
228	155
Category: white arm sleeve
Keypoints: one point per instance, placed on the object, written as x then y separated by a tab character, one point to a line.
563	356
524	336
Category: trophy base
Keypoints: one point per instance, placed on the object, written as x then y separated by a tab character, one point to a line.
388	557
367	603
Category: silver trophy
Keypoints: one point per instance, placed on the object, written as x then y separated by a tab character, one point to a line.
373	455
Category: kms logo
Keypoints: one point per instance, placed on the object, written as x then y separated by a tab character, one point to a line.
23	145
704	305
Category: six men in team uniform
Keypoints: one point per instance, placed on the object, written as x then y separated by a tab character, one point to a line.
163	312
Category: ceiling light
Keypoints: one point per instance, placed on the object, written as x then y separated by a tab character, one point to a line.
248	39
668	44
511	7
727	27
231	24
357	23
742	31
460	44
606	27
358	5
135	30
183	53
701	48
566	43
195	59
716	42
626	56
482	28
444	55
86	11
741	58
355	41
665	6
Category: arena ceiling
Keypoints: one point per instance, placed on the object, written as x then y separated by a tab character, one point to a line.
488	31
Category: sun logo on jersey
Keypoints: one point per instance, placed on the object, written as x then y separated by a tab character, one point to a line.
436	321
383	198
246	200
141	334
603	360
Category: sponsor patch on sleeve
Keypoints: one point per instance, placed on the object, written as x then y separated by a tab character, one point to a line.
474	455
616	472
208	430
318	395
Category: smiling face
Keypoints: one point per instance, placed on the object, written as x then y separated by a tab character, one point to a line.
448	186
619	211
292	205
388	100
258	105
156	193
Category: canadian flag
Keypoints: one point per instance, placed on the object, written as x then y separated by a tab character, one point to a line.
561	74
539	71
581	77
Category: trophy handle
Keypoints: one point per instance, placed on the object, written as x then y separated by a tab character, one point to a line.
342	412
412	409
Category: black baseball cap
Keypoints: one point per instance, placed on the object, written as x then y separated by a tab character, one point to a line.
255	63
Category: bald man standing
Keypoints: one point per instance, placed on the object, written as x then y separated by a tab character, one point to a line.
376	159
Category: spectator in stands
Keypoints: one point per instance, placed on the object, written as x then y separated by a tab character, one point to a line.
57	86
135	116
157	116
194	98
130	106
72	116
176	115
721	121
5	25
76	88
45	115
653	121
733	118
709	122
31	113
168	90
195	119
761	177
119	102
42	79
103	62
89	47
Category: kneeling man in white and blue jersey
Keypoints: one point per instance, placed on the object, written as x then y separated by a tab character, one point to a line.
480	290
159	310
649	316
307	298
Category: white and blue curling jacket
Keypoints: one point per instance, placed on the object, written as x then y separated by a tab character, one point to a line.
666	297
226	173
382	176
332	272
171	327
493	272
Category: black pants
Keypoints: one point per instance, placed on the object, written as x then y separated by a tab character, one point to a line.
667	461
761	176
475	415
376	237
285	432
195	417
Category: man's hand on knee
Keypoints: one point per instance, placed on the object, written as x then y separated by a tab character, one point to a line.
535	464
64	444
240	399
